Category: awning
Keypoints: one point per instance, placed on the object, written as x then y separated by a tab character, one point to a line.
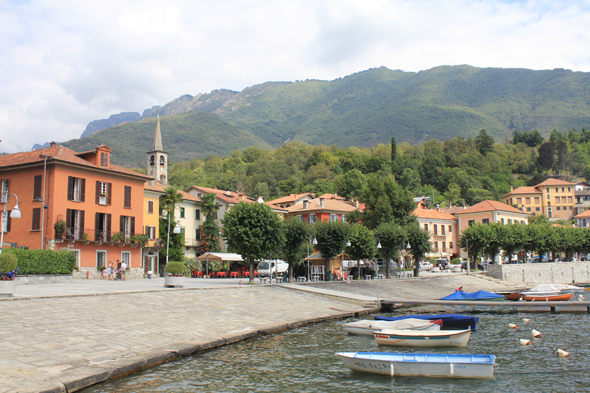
317	255
220	256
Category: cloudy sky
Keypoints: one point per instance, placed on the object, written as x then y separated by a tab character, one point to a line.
65	63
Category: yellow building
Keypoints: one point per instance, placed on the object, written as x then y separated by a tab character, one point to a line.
553	198
151	221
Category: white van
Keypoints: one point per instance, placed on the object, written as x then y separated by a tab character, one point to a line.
266	268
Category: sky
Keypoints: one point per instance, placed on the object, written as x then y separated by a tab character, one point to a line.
66	63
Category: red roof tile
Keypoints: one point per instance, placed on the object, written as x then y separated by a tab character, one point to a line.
433	214
555	182
490	205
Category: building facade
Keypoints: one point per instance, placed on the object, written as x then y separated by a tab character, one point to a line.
553	198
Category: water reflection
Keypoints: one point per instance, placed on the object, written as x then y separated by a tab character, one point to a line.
303	360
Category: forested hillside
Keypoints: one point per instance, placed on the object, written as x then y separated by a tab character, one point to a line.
363	110
458	170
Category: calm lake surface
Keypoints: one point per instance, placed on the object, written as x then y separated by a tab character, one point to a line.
303	360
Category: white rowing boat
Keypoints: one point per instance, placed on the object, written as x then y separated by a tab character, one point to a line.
367	327
423	338
418	364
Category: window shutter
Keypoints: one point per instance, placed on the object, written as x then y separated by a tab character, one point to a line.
97	226
109	193
150	206
70	188
197	214
108	227
127	201
82	222
82	190
97	192
68	218
122	224
132	225
36	218
37	187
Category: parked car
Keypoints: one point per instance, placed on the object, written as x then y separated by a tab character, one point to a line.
442	263
426	265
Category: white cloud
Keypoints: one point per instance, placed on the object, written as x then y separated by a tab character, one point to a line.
65	65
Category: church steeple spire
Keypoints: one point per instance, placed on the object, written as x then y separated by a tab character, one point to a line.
158	137
157	167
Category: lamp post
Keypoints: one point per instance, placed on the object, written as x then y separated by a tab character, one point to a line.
377	277
314	242
468	261
166	213
45	157
15	213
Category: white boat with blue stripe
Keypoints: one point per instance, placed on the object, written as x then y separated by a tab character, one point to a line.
420	364
423	338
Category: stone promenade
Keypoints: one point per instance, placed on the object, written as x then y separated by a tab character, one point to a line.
62	344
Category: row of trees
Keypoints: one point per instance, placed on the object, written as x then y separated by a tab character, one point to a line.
480	239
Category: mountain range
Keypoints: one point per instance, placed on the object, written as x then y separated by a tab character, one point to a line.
362	109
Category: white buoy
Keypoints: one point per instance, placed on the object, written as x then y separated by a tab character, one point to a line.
561	353
524	341
535	333
513	326
525	320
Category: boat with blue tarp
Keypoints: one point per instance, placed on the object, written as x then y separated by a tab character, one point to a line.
479	295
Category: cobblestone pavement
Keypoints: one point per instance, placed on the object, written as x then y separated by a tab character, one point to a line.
54	344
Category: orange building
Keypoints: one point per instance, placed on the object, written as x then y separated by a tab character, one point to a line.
90	197
328	207
553	198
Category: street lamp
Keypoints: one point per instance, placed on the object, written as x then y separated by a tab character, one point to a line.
314	242
166	213
15	213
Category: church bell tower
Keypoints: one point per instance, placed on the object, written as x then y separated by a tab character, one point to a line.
157	165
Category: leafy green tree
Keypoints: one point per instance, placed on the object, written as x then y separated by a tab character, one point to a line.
296	236
393	238
362	245
386	201
546	158
209	229
351	184
539	219
484	143
169	201
433	163
393	149
261	190
253	230
453	195
331	237
419	240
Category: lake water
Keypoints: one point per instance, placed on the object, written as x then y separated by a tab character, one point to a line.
303	360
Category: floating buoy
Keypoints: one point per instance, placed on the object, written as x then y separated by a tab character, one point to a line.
535	333
561	353
524	341
513	326
526	320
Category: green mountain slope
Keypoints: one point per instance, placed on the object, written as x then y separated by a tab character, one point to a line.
363	109
185	136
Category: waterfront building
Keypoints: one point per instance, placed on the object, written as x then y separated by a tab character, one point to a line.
328	207
443	230
553	198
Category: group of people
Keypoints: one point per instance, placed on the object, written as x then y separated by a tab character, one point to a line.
110	273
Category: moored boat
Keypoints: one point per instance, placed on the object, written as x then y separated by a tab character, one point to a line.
547	298
418	364
423	338
474	296
366	327
448	320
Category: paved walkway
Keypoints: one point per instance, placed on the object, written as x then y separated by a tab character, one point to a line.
65	343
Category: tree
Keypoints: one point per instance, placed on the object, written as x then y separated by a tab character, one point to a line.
484	143
253	230
386	201
393	149
209	229
393	238
351	184
331	237
419	240
296	235
362	245
169	201
546	158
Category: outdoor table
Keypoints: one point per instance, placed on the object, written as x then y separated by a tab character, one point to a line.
222	274
246	274
199	274
234	274
301	279
367	276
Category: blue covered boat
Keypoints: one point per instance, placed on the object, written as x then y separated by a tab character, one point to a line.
449	320
479	295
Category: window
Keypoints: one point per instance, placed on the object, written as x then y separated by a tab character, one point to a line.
4	196
333	217
558	207
436	246
563	200
37	187
537	200
102	227
197	214
182	212
502	221
450	245
104	159
74	224
127	226
450	228
570	199
103	193
127	200
444	246
426	227
556	189
562	189
126	257
557	199
569	189
36	219
150	206
442	230
150	231
101	258
198	234
76	189
528	209
519	200
485	221
470	222
547	189
538	209
510	221
435	229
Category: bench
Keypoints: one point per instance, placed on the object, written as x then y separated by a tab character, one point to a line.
301	279
264	280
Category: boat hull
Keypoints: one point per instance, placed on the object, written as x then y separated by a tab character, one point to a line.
368	327
421	365
548	298
409	338
449	320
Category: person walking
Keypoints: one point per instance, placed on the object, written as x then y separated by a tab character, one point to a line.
123	271
111	270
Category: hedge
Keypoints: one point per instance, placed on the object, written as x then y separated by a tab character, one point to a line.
43	261
174	268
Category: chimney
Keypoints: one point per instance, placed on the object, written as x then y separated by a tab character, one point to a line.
437	207
241	196
464	207
305	204
322	202
511	188
356	203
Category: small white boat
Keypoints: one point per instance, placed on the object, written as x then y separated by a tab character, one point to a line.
367	327
419	364
423	338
